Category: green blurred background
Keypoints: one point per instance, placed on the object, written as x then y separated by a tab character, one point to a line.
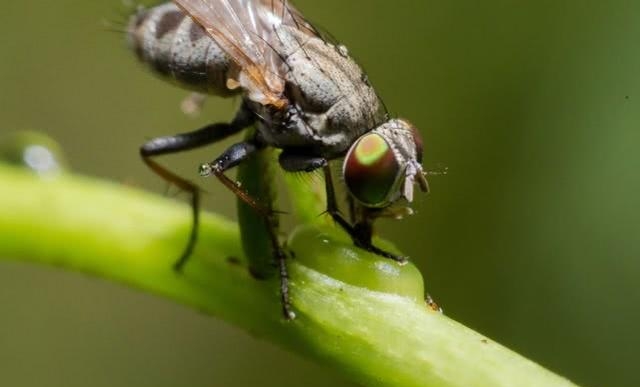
532	238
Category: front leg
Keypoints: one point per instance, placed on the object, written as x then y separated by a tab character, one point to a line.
233	156
362	231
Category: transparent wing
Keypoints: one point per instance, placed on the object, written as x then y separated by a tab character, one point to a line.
247	31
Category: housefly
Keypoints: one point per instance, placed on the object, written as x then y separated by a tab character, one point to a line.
301	92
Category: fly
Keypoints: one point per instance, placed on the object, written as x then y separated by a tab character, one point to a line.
302	93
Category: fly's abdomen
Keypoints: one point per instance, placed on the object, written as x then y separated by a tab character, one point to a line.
175	47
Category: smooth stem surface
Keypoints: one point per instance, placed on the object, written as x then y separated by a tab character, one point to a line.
375	338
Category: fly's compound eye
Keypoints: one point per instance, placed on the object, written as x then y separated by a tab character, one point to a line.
371	171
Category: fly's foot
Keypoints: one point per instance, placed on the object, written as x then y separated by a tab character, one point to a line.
361	237
376	250
289	315
287	312
179	264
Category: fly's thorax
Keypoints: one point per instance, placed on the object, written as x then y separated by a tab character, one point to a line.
331	101
382	165
175	47
293	128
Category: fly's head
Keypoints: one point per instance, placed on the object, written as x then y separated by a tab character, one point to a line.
382	166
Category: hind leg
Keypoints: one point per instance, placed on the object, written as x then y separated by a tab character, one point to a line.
183	142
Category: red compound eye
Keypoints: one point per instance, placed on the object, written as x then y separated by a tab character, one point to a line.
371	170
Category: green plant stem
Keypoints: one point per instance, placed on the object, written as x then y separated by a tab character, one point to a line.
125	235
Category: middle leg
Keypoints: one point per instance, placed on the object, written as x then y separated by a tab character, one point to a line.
240	153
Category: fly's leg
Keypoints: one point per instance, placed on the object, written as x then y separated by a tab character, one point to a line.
361	232
282	270
233	156
183	142
294	162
